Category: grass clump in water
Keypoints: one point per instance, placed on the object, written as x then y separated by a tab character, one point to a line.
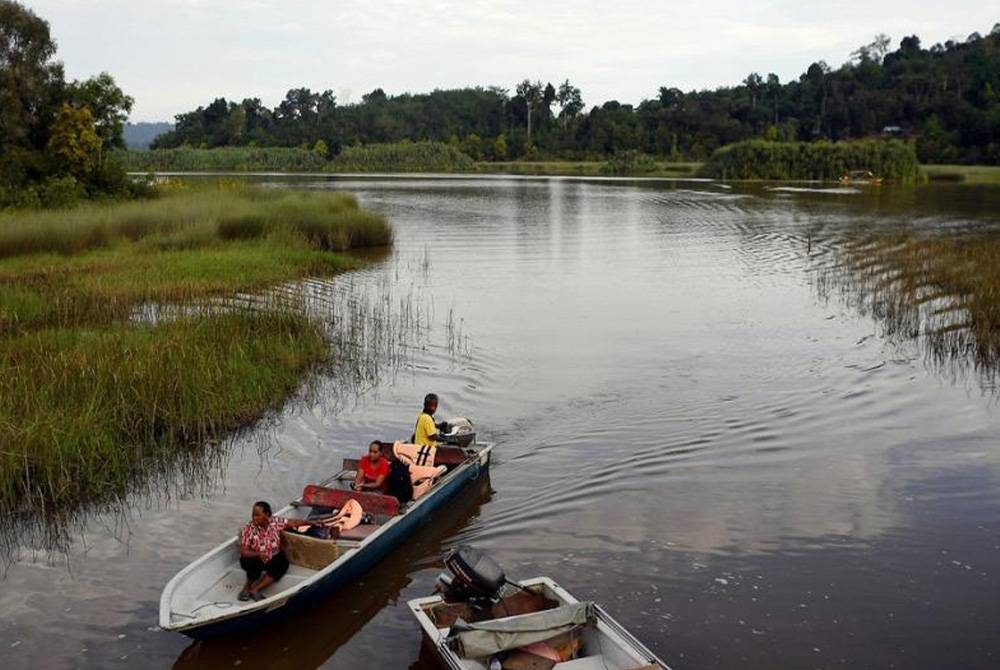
133	333
818	161
944	291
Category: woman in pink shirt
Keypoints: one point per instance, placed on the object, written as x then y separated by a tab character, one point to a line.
261	556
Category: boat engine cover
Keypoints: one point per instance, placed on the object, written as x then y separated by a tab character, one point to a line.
476	574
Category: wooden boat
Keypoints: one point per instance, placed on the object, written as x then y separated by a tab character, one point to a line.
538	626
201	601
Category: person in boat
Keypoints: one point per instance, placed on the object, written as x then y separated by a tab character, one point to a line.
372	470
261	556
426	431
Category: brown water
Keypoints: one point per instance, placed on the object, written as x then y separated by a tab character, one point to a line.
744	472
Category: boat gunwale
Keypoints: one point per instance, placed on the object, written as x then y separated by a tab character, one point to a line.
482	450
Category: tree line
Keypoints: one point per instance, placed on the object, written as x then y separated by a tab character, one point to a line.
946	97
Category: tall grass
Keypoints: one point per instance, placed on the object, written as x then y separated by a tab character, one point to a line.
944	292
403	157
330	221
133	334
222	159
822	161
82	411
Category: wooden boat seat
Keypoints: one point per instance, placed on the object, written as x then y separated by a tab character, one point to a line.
359	532
314	495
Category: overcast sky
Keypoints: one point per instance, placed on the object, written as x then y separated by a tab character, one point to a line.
173	55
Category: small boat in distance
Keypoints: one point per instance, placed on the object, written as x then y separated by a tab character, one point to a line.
201	601
480	620
860	177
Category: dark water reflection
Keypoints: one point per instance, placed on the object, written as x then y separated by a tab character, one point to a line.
745	472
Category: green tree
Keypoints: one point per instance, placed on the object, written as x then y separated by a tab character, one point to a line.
321	149
107	102
570	101
500	147
30	85
531	93
74	145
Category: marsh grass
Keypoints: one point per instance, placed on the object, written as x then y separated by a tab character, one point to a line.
944	292
136	337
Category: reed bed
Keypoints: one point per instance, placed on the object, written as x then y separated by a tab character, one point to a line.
815	161
403	156
133	335
944	292
222	159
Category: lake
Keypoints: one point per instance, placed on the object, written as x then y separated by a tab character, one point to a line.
696	427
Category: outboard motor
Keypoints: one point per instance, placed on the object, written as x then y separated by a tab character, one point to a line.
474	577
459	432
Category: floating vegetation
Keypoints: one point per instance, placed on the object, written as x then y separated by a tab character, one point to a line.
943	292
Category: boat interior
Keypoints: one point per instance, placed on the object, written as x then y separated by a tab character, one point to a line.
220	581
594	645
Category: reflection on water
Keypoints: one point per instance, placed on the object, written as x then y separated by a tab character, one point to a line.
745	473
943	292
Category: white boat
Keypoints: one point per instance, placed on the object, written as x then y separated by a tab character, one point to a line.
202	599
539	625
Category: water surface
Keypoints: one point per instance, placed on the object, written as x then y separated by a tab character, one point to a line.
745	472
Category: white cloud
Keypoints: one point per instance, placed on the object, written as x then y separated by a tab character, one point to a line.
173	55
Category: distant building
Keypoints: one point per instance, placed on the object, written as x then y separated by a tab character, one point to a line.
892	130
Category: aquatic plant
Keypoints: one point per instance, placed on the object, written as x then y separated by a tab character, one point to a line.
821	161
941	291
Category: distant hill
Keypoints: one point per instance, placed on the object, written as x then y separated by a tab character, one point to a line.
140	135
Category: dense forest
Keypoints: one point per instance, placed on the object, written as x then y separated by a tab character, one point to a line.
55	135
946	97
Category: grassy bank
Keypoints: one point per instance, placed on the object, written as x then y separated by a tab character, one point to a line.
820	161
123	344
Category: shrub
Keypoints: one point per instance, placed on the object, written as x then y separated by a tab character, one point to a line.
759	159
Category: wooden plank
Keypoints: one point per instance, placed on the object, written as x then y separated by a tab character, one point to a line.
371	503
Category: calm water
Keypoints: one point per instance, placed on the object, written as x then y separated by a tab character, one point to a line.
746	474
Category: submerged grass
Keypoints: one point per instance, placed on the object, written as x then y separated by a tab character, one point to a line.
133	335
942	291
